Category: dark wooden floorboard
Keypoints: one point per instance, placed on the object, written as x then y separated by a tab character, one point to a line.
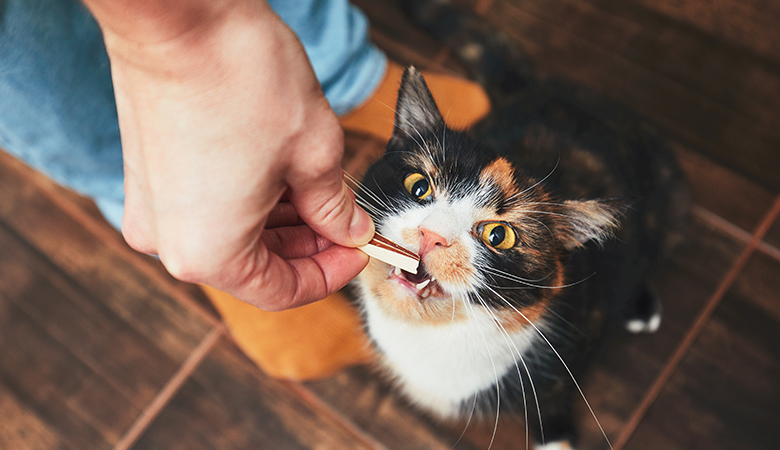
87	341
725	394
89	335
728	195
368	401
84	373
88	261
693	117
751	24
228	404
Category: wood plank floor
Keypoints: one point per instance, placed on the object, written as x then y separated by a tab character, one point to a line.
102	349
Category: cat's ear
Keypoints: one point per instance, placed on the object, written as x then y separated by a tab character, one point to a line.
416	112
580	221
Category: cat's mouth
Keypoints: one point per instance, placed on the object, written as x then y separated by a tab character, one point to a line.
422	283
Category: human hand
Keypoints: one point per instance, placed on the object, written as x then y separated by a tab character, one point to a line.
220	116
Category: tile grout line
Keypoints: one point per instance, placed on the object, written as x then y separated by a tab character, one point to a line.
696	328
173	385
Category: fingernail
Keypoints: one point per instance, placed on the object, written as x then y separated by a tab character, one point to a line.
361	228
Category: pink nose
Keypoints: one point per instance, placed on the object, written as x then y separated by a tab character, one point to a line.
430	240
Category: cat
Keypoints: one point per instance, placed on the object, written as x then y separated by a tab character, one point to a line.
537	229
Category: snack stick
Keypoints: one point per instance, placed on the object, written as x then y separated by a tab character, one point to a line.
391	253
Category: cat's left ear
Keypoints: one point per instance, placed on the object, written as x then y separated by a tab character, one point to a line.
416	112
580	221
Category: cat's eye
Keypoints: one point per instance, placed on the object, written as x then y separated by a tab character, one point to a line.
418	186
498	235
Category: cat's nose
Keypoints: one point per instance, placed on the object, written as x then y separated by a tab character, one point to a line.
429	240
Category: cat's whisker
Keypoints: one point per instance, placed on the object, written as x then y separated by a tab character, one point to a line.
495	374
363	189
510	277
501	272
422	143
382	191
560	358
444	145
543	179
536	211
476	394
542	224
367	205
511	345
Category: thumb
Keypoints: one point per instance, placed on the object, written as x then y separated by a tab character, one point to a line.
328	206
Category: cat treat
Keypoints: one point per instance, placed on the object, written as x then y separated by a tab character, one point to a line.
391	253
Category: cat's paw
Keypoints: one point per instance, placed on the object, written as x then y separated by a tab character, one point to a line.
646	311
637	326
557	445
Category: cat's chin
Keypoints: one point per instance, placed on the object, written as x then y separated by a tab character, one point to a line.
422	284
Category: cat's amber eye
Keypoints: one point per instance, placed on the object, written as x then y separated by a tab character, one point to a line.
498	235
418	186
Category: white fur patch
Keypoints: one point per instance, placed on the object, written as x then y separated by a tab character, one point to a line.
640	326
441	366
557	445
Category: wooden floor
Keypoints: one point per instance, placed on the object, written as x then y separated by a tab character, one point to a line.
100	349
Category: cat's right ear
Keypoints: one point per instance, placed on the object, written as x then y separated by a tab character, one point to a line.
416	113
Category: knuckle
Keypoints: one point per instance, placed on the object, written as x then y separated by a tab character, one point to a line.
332	210
183	270
138	239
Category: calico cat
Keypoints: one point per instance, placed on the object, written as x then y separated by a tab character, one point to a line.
536	230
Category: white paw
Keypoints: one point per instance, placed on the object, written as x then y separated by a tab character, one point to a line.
640	326
557	445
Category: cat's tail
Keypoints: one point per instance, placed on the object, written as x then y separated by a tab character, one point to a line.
488	55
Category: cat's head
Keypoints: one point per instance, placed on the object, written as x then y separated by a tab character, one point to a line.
487	234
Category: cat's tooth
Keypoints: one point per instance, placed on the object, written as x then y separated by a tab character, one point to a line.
425	294
422	284
397	271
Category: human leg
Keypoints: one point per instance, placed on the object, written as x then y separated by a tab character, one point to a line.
57	111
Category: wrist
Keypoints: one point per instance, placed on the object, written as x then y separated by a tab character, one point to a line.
162	36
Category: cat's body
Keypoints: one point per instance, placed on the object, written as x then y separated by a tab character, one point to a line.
514	223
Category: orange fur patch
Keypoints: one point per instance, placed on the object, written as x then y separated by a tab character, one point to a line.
450	264
410	237
501	174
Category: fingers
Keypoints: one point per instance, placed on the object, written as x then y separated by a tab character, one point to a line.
294	242
298	282
328	206
318	192
283	215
